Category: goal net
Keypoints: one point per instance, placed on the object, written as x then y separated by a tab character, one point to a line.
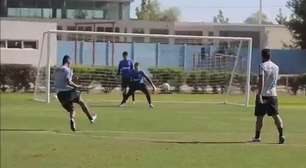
217	68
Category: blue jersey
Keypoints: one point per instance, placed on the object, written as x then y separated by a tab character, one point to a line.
137	77
125	67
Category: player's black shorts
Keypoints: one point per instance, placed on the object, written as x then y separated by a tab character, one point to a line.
138	86
125	82
270	106
67	98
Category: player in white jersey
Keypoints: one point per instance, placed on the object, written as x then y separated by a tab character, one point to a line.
68	94
266	99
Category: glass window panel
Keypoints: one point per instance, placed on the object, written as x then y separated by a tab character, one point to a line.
2	44
13	44
30	44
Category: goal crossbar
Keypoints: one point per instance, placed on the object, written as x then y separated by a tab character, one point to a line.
148	35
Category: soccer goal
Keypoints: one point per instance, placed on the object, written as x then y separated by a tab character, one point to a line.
218	68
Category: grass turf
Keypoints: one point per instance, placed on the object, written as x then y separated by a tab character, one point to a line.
178	134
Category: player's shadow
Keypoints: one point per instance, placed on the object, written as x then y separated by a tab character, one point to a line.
104	106
203	142
22	130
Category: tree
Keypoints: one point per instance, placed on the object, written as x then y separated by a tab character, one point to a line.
280	18
220	18
171	14
150	10
297	22
254	19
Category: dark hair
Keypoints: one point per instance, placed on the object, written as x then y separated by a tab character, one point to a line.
136	64
125	53
266	54
66	59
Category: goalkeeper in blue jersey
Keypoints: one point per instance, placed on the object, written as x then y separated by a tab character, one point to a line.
138	78
124	69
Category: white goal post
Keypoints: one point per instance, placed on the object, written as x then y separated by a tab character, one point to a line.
230	61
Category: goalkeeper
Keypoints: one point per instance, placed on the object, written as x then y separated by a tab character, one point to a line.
138	78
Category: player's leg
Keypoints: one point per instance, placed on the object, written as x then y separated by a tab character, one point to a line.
272	106
126	96
145	90
90	115
133	98
66	102
258	127
72	120
280	126
259	113
124	86
75	97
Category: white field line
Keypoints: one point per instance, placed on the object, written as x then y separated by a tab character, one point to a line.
161	101
152	140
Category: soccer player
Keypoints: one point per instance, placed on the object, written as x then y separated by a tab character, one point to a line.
68	94
137	83
266	99
124	69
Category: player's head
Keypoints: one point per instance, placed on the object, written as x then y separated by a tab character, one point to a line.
136	65
66	60
125	55
266	54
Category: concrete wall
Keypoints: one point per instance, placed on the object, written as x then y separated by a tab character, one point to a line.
26	30
276	37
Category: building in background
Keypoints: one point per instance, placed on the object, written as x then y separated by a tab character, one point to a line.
38	16
70	9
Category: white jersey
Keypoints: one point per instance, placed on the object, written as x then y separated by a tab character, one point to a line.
269	72
61	77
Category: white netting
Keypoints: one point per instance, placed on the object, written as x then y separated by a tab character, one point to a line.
217	67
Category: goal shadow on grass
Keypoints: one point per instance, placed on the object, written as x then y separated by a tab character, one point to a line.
201	142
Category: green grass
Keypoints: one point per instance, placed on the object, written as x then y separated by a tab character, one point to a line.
173	135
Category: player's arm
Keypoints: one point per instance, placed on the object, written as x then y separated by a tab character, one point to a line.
68	76
260	84
119	69
150	81
132	65
72	84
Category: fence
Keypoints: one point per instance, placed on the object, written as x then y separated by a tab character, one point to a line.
168	55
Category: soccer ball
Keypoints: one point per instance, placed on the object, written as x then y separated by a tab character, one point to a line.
165	87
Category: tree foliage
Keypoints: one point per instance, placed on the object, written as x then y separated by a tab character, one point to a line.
280	18
220	18
297	22
254	19
150	10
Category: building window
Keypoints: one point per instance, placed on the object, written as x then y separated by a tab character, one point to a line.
109	29
71	28
210	33
59	27
30	44
13	44
138	39
81	28
138	30
159	31
88	28
159	39
2	44
100	29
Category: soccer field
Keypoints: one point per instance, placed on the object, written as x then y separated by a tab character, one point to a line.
180	132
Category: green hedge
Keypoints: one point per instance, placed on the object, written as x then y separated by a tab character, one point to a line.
106	76
174	76
16	77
